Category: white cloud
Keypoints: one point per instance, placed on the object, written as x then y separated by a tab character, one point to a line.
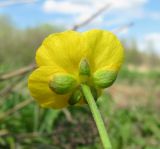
150	40
77	6
13	2
118	4
82	9
128	4
154	15
67	7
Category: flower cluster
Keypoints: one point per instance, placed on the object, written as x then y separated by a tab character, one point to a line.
68	59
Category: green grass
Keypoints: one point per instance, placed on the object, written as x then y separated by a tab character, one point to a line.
129	127
135	75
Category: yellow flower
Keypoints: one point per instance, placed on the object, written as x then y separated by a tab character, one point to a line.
67	59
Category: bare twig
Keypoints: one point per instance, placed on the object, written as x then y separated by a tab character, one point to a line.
10	87
123	27
18	72
15	108
3	132
24	70
68	116
90	18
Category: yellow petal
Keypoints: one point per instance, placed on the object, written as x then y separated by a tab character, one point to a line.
38	84
63	49
105	50
43	57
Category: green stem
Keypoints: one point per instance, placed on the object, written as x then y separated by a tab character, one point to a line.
97	116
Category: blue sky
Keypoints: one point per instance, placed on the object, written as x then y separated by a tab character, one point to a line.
144	13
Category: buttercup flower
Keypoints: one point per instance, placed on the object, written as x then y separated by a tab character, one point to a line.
68	59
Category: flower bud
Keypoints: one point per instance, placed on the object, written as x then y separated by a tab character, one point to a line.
104	78
75	97
62	83
84	68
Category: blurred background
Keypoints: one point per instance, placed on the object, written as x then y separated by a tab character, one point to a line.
130	108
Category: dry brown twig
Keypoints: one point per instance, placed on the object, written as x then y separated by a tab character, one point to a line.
4	132
10	87
68	116
90	18
15	108
24	70
18	72
123	27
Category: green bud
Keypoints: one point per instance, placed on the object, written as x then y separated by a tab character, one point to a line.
104	78
75	97
62	83
84	68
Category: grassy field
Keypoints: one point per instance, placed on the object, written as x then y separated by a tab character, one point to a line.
131	109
